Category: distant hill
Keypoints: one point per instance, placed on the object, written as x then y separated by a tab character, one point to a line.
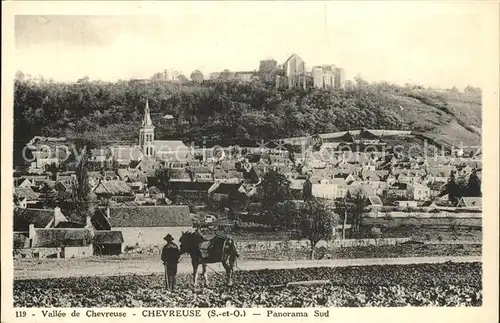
453	118
231	113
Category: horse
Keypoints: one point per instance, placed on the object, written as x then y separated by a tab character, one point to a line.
209	251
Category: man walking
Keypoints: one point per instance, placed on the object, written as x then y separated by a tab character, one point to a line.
170	256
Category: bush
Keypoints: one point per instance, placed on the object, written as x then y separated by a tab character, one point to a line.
375	233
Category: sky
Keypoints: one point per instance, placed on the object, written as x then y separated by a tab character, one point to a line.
391	42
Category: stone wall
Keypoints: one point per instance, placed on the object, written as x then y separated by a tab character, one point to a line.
37	253
441	214
77	252
299	244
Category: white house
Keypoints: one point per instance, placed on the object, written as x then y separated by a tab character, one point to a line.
328	191
144	225
419	192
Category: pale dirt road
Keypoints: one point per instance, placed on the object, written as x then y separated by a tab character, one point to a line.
110	266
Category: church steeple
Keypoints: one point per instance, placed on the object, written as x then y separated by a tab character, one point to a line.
147	134
147	117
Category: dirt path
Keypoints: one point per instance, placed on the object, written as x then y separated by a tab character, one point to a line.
53	268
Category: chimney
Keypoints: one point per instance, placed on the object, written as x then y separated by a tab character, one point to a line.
108	212
31	234
88	222
58	216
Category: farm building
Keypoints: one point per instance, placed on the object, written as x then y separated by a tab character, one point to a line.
54	242
108	242
40	218
45	233
144	225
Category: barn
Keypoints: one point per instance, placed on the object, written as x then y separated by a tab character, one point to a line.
107	242
144	225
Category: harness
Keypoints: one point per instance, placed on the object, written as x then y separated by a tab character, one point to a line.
205	245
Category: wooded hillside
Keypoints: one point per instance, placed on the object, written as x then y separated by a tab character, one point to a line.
231	113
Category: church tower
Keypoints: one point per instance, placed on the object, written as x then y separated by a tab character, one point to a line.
147	134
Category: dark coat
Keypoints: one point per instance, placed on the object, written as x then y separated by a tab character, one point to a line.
170	254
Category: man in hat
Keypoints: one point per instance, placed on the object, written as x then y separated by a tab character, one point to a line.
170	256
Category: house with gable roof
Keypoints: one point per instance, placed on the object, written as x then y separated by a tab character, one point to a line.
40	218
41	233
25	197
113	188
25	183
144	225
419	192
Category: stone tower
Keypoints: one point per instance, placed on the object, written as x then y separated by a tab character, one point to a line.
147	134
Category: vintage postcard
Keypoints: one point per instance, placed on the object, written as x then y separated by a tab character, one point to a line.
250	161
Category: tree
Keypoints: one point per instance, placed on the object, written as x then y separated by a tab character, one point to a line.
158	77
83	203
225	75
317	142
285	215
52	169
316	222
276	188
456	187
236	201
472	89
351	210
307	189
163	176
357	207
389	198
197	76
451	188
474	185
48	196
341	208
182	79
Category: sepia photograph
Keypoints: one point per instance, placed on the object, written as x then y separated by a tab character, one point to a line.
268	155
